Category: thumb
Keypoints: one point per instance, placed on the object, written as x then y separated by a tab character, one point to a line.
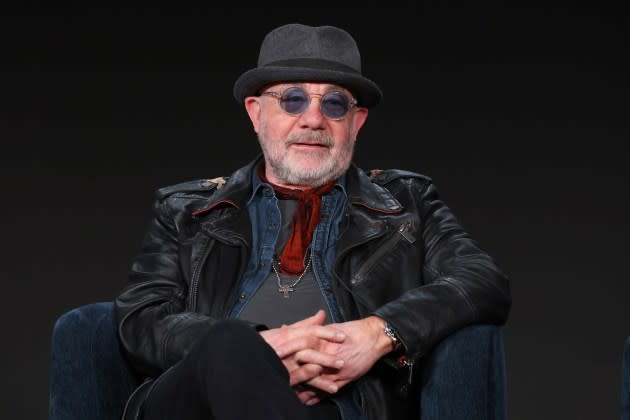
317	319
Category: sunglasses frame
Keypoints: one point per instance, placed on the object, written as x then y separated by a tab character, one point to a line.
279	96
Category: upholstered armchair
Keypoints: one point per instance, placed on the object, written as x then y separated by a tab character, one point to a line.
625	382
463	378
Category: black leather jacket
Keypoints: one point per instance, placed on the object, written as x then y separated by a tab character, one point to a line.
401	255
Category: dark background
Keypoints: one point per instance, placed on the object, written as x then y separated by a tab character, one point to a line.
518	113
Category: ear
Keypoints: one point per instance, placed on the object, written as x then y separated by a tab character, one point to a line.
358	119
252	106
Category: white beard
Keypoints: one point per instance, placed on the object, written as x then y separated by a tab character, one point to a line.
288	169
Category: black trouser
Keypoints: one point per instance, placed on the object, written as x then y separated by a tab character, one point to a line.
232	373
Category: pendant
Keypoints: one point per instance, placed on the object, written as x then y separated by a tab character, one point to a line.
285	290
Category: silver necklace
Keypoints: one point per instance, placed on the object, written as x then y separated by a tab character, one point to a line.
286	288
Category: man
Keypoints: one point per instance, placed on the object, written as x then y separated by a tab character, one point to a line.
300	286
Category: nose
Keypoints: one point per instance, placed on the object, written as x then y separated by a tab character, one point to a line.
313	118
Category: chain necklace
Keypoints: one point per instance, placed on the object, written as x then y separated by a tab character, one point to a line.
286	288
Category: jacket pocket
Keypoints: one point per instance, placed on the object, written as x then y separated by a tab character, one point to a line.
402	233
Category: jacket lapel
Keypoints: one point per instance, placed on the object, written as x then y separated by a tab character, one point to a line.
224	215
369	208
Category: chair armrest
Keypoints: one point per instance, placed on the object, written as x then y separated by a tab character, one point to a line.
464	376
625	382
89	378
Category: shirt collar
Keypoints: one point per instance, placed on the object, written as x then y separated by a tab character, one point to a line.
259	187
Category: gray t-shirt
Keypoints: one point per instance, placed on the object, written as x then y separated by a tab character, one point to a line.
268	305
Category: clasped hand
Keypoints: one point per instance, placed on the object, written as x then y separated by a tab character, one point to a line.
322	358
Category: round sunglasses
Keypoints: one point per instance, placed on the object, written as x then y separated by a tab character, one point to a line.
295	100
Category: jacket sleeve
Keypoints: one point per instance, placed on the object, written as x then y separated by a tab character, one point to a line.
154	327
461	284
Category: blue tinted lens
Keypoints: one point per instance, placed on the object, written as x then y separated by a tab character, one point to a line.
335	105
294	101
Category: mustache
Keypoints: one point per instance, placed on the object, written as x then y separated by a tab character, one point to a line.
309	138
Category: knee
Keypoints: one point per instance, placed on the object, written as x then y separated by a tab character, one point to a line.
233	349
231	342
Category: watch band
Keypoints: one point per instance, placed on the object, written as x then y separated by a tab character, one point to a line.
389	331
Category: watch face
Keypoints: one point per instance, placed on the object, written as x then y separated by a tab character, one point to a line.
390	333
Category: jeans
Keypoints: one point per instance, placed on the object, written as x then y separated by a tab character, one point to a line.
462	378
230	374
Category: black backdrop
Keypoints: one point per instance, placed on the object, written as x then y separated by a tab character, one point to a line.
518	114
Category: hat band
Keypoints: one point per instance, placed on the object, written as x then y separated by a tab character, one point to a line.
314	63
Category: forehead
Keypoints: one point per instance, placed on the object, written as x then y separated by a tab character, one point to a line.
311	87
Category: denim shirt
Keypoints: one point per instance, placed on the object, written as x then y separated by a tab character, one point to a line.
265	218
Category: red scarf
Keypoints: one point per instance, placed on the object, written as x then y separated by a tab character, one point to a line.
305	219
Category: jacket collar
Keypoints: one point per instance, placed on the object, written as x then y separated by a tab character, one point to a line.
235	192
360	189
363	192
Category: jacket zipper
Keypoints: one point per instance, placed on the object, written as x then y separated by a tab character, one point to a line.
409	365
403	361
340	257
239	276
402	233
194	283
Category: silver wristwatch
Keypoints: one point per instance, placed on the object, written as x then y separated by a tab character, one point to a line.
389	331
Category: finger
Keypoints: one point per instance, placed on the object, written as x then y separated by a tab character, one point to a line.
293	346
313	401
317	319
305	342
303	373
305	395
328	332
318	358
335	377
309	338
324	384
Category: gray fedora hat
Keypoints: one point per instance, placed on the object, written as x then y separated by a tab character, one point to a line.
301	53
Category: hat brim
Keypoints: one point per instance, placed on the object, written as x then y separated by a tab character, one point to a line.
367	93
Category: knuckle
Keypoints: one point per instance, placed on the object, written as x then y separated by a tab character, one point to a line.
314	369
